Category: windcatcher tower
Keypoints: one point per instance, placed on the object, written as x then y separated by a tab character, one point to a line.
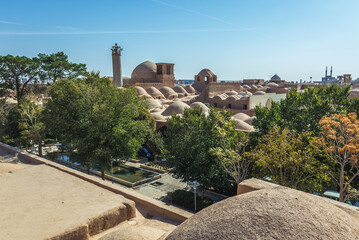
116	65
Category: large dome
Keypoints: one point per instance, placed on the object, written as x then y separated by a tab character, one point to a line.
146	70
278	213
275	78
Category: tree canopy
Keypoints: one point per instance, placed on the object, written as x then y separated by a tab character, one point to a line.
189	139
103	123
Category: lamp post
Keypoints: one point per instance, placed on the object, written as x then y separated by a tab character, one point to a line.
58	145
112	169
194	185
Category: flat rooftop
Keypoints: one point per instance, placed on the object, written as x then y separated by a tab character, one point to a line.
40	202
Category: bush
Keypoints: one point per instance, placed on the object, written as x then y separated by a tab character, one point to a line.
49	140
185	199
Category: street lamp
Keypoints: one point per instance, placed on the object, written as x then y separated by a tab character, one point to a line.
194	185
58	147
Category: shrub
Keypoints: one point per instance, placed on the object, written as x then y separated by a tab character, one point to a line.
185	199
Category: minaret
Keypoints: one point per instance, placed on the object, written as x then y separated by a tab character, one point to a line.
116	65
326	71
331	71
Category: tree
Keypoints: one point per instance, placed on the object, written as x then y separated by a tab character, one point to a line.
236	162
56	66
291	160
155	144
17	72
31	125
102	122
340	139
302	111
188	140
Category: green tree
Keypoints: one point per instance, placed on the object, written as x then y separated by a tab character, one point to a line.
235	161
291	160
57	66
189	140
31	126
100	121
156	144
302	111
17	72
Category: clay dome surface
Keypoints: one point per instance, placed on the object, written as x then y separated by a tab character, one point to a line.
168	92
241	116
231	93
272	85
259	93
155	93
190	89
146	70
175	108
153	103
243	126
201	105
205	72
180	89
246	86
279	213
158	117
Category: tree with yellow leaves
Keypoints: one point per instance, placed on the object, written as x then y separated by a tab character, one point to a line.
340	139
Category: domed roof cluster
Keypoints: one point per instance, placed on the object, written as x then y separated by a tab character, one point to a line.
146	70
272	213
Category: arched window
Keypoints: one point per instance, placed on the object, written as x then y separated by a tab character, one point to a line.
229	105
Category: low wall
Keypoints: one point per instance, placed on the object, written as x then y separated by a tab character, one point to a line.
152	206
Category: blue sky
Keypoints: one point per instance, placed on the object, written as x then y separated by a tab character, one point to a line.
236	39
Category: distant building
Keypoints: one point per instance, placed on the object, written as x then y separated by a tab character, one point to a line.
253	81
276	79
329	78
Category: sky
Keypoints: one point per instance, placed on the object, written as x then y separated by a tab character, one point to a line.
236	39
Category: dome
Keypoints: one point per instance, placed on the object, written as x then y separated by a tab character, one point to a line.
142	92
277	213
241	116
259	93
175	108
155	93
249	120
231	93
146	70
275	78
190	89
201	105
243	126
168	92
272	85
158	117
180	89
246	86
205	72
153	103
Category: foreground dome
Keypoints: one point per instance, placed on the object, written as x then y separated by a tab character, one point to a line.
278	213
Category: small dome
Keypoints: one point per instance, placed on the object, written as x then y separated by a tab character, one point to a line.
201	105
158	117
190	89
180	89
272	85
243	126
142	92
246	86
175	108
205	72
241	116
275	78
155	93
231	93
259	93
153	103
146	70
168	92
249	120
